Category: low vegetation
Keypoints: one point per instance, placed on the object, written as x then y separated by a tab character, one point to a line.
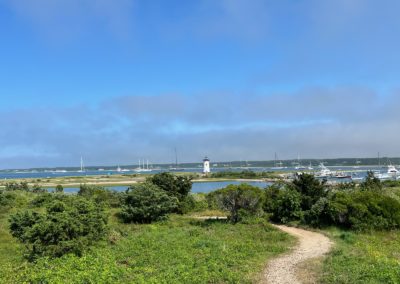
309	201
147	234
372	257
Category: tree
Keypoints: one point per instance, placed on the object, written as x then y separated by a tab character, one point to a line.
59	189
284	204
176	186
239	200
371	183
145	203
310	188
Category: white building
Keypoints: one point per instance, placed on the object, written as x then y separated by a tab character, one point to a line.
206	165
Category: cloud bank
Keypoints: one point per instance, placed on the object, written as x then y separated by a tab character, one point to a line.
315	123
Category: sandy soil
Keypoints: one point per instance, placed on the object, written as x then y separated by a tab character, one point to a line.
283	269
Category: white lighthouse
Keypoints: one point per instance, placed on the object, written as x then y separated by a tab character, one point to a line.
206	166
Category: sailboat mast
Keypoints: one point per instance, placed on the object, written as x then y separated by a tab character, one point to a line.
379	159
176	158
82	166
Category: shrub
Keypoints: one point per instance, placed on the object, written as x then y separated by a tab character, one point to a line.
371	183
100	195
310	188
362	210
6	199
65	227
200	202
178	186
175	186
240	200
59	188
319	215
36	188
12	186
284	204
145	203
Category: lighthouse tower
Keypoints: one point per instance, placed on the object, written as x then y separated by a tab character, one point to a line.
206	166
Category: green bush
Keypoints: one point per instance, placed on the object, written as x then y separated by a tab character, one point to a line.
240	201
371	183
65	227
12	186
361	210
200	202
319	214
175	186
7	199
283	203
100	195
59	188
145	203
178	186
310	188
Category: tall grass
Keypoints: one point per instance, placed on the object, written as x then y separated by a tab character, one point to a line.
372	257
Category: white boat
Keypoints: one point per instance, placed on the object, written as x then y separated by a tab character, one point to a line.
323	171
82	170
310	167
382	176
277	165
391	173
299	166
392	170
142	167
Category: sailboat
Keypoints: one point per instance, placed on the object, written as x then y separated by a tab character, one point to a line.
299	166
82	170
277	165
142	167
176	168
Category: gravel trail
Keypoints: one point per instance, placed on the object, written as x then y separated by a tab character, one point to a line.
310	245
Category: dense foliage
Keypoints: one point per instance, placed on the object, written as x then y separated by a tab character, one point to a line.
65	227
239	200
175	186
312	202
283	203
100	195
145	203
178	186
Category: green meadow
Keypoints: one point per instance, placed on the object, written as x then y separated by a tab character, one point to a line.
178	250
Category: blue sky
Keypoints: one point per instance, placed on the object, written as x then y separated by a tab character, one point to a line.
115	81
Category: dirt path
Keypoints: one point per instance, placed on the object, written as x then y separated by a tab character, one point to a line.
283	269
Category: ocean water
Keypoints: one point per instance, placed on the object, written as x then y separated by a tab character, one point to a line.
197	187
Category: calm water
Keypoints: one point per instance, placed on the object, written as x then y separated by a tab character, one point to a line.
198	187
53	174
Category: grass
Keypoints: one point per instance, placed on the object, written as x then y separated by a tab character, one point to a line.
179	250
372	257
